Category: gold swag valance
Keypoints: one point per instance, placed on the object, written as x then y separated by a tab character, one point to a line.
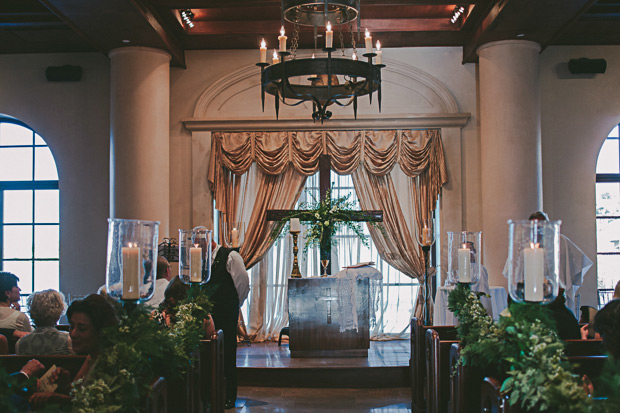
418	152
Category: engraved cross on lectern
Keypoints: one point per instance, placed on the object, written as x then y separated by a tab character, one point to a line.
328	297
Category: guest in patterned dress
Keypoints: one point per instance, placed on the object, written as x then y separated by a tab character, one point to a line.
45	308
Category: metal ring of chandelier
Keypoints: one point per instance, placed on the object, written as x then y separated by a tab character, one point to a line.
361	79
318	12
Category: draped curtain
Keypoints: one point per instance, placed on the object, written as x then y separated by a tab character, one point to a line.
251	172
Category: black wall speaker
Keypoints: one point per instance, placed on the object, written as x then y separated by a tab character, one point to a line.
587	66
66	73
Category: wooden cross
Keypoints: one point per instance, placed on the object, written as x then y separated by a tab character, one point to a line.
324	187
328	298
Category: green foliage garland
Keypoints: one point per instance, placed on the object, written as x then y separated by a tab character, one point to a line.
526	347
324	218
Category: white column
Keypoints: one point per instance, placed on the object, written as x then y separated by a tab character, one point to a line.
511	166
139	135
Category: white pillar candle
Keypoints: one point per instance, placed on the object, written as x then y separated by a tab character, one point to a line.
295	225
195	264
263	51
276	58
464	264
131	272
368	42
282	39
426	235
329	36
533	267
379	57
234	237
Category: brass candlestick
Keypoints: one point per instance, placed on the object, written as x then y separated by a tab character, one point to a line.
295	273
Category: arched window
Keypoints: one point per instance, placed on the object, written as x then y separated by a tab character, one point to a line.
608	215
29	207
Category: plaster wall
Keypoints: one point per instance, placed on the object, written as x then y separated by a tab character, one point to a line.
73	118
578	112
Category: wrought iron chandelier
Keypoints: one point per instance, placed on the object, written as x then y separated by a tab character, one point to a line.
321	80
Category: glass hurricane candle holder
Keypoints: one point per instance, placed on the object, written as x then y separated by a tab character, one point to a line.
131	259
533	260
464	257
234	234
195	255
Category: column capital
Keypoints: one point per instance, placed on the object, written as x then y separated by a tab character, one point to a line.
512	42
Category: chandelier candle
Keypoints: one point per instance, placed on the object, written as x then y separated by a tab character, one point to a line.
131	269
263	51
533	260
368	42
379	52
282	39
464	264
276	57
195	264
329	36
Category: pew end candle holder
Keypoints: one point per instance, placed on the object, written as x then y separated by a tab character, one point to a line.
533	260
195	249
131	260
464	264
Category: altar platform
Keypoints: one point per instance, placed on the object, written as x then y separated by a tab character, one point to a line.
269	365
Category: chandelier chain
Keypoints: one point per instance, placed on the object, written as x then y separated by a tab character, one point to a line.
352	38
341	38
295	41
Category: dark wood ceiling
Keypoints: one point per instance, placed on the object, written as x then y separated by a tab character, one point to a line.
52	26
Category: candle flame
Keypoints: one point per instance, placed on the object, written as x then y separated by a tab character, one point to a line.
262	43
195	245
354	57
282	31
275	54
465	246
378	45
534	245
329	27
313	55
367	33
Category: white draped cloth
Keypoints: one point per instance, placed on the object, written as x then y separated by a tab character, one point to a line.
347	296
574	265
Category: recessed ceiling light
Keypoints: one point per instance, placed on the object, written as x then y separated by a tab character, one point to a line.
126	41
520	34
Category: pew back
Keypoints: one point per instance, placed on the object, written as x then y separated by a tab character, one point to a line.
417	363
212	382
437	372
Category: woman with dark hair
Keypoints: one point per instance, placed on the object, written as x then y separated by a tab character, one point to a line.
88	318
45	308
14	323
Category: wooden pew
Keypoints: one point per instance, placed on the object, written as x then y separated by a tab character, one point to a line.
157	401
584	347
437	372
4	345
212	383
13	363
417	362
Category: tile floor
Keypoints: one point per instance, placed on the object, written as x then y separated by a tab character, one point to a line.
305	400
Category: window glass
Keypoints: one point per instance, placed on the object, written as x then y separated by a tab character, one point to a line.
15	164
23	270
46	205
608	235
38	140
17	208
614	132
46	241
607	267
607	199
45	166
608	162
47	275
13	134
17	241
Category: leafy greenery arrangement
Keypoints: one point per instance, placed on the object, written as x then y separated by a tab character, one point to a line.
324	218
137	350
526	347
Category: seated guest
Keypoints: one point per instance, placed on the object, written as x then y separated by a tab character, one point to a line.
88	318
45	308
566	324
163	279
14	323
607	324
